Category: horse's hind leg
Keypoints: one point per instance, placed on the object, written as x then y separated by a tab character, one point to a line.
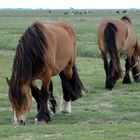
72	88
65	103
127	79
52	101
111	81
104	57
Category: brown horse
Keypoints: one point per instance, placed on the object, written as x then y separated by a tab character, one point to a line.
115	37
44	50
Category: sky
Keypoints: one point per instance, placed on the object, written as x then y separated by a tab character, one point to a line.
66	4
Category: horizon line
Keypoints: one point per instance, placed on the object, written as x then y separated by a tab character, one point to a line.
72	8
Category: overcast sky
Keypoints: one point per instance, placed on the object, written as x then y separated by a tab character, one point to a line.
66	4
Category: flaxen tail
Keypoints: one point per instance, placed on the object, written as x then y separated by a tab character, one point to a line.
110	39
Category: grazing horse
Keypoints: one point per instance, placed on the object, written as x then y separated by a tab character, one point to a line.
115	37
44	50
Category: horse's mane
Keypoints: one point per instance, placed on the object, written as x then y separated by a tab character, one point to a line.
126	18
29	53
28	60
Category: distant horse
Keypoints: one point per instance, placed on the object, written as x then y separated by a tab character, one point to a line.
124	11
44	50
115	37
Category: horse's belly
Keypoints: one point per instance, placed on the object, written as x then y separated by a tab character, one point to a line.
60	66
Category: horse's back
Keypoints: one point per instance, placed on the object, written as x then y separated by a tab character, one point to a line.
61	49
63	33
125	35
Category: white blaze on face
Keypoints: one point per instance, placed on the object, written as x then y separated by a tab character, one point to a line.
65	107
22	118
19	119
15	120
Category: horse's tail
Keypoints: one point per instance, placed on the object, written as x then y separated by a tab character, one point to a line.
76	84
72	88
110	39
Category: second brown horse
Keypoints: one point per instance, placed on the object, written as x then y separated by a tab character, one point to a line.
115	37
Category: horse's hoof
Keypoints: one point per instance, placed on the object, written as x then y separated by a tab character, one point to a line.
39	122
137	80
42	120
15	126
36	120
65	113
109	88
65	106
15	123
126	80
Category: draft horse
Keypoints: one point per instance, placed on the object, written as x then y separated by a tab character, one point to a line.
116	37
44	50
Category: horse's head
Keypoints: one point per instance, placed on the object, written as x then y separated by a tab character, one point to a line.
19	95
126	19
135	65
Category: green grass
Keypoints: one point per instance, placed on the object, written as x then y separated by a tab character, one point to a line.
73	132
100	114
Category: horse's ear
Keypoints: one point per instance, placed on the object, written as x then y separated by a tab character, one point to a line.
8	81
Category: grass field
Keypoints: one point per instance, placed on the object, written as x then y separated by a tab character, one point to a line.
100	114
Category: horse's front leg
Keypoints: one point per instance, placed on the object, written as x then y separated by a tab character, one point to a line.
52	101
35	93
44	112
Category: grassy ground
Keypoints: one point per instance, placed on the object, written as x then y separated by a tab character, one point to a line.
100	114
